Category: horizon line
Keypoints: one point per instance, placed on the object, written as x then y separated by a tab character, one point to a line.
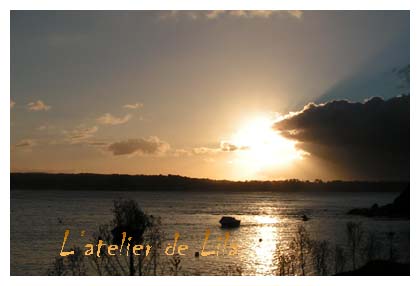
209	179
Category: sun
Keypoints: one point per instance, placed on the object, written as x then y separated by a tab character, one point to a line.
261	147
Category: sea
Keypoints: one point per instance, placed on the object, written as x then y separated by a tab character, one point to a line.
269	221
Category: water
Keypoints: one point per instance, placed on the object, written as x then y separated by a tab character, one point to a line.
268	223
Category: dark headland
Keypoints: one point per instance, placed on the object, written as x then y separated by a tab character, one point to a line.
399	208
118	182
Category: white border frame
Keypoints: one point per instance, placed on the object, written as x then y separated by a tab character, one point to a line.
202	5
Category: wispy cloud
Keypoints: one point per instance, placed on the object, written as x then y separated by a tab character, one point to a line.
205	150
25	143
149	146
80	134
225	146
45	127
215	14
38	105
181	153
97	143
109	119
136	105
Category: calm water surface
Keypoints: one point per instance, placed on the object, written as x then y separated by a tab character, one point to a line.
37	234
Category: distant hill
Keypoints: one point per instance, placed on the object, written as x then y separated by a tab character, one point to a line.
117	182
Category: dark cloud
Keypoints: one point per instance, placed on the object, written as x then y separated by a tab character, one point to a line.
150	146
369	140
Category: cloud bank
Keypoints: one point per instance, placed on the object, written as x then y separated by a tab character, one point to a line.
150	146
369	140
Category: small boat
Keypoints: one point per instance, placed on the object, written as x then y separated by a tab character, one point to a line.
305	218
229	222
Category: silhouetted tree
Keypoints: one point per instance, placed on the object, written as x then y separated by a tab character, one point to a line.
285	263
390	236
58	268
175	264
372	247
301	244
154	237
320	255
354	239
232	270
129	218
339	259
69	265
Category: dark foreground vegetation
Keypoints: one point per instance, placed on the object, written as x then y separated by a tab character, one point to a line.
46	181
380	268
365	253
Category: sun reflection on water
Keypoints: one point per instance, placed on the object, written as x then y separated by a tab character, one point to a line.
267	236
266	220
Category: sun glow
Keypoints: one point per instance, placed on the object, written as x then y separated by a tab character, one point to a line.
259	146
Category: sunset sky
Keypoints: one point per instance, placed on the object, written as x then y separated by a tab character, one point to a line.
217	94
